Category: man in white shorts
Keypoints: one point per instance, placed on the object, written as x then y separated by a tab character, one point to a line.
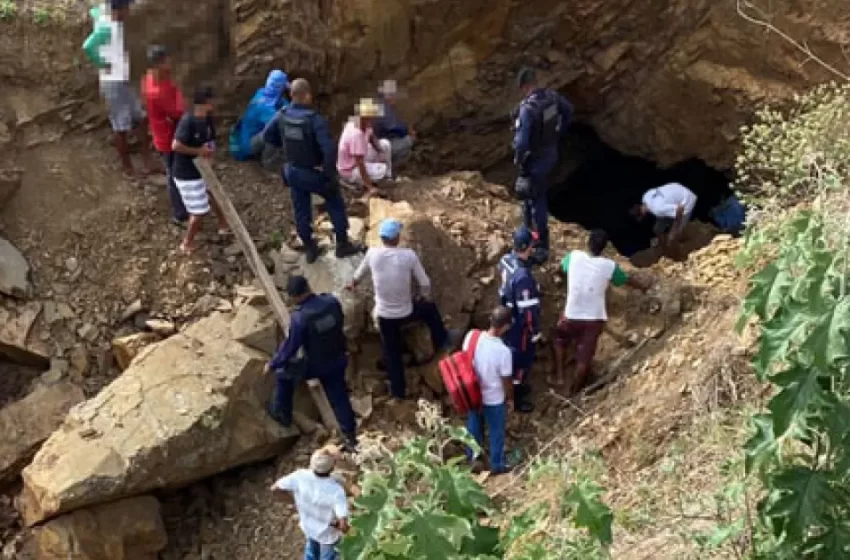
195	136
362	158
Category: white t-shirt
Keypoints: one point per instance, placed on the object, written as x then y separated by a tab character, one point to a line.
492	363
393	269
587	281
320	501
114	53
663	201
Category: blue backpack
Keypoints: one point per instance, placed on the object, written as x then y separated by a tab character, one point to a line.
730	215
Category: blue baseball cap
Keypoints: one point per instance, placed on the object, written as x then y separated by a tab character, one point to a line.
390	228
523	238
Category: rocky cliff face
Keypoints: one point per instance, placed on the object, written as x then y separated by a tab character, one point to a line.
663	82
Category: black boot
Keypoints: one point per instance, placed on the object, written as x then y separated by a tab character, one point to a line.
349	443
284	420
311	252
347	249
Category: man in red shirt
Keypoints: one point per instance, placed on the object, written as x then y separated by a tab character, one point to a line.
165	107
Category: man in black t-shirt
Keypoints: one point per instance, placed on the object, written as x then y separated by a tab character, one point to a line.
195	136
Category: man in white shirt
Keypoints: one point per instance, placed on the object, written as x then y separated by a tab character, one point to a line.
392	268
493	364
672	205
588	277
321	504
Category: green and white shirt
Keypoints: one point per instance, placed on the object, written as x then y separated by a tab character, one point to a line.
105	46
588	279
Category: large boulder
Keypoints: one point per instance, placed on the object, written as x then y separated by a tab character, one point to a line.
331	275
256	327
24	425
186	408
14	271
130	529
444	259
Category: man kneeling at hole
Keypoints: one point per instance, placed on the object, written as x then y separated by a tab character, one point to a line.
315	329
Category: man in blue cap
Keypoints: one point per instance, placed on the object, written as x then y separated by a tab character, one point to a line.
315	349
310	169
519	292
542	119
392	268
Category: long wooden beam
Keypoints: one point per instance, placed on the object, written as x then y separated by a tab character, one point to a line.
267	284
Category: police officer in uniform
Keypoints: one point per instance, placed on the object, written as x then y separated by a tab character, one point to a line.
310	168
314	349
521	293
540	120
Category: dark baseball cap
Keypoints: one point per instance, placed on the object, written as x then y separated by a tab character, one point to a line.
523	238
297	285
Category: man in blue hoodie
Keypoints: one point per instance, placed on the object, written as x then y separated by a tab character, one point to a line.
267	101
105	48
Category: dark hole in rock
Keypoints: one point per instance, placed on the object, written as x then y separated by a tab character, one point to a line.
596	185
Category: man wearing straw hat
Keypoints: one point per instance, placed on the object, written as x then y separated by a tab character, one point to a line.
321	505
363	158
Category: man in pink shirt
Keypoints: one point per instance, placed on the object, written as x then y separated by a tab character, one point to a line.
363	158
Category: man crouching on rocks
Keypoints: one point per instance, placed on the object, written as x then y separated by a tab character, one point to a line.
321	504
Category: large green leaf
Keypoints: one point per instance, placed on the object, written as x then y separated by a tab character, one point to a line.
783	332
373	511
762	447
767	288
591	512
797	399
827	343
805	496
435	535
483	542
462	494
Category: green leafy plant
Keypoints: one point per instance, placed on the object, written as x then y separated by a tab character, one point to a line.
8	9
42	16
417	504
800	448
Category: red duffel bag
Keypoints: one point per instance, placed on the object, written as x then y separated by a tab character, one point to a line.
460	379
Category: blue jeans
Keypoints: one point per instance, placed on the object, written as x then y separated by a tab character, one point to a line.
315	551
305	182
333	382
178	209
495	416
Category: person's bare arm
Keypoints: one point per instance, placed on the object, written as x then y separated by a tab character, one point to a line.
182	148
364	176
365	266
508	385
421	278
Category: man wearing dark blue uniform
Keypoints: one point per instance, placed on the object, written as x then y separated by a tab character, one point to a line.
541	120
310	168
314	349
520	293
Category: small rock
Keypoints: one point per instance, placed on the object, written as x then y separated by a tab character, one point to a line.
131	310
87	332
79	358
496	247
61	289
161	327
14	271
251	295
126	348
72	264
362	406
233	250
356	230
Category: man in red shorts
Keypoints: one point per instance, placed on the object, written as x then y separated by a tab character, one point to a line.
588	277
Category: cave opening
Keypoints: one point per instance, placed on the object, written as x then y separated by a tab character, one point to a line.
595	186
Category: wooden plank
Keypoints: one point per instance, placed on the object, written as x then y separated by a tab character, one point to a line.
267	284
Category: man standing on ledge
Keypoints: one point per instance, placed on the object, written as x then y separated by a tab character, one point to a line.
542	119
105	48
310	169
165	109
